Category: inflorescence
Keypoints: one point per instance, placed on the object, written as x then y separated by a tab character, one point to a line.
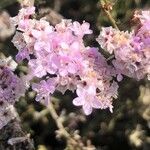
59	60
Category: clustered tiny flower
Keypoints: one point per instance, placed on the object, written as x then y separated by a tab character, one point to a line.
59	59
11	89
131	50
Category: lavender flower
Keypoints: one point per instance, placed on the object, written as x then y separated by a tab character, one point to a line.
131	50
61	61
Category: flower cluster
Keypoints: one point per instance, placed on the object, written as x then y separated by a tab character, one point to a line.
11	86
131	50
11	89
59	59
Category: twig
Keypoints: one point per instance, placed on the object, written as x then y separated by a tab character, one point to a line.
110	58
106	8
57	5
58	120
72	143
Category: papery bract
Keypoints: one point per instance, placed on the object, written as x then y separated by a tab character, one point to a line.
58	57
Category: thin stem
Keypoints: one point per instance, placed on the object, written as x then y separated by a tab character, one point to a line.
110	58
73	144
57	5
58	120
106	9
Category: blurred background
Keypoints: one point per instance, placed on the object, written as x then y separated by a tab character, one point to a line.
128	127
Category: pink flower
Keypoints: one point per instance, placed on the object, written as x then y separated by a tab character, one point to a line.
22	54
22	19
131	50
81	29
106	38
87	99
60	52
44	89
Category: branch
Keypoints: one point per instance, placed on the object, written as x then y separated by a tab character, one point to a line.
62	131
106	8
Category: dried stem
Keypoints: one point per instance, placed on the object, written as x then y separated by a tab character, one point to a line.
57	5
58	121
72	143
106	8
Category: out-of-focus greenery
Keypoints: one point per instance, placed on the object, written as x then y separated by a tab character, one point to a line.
125	129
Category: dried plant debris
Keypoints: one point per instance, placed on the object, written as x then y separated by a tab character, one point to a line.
6	27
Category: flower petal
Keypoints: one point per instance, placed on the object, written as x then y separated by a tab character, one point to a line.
78	101
87	109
